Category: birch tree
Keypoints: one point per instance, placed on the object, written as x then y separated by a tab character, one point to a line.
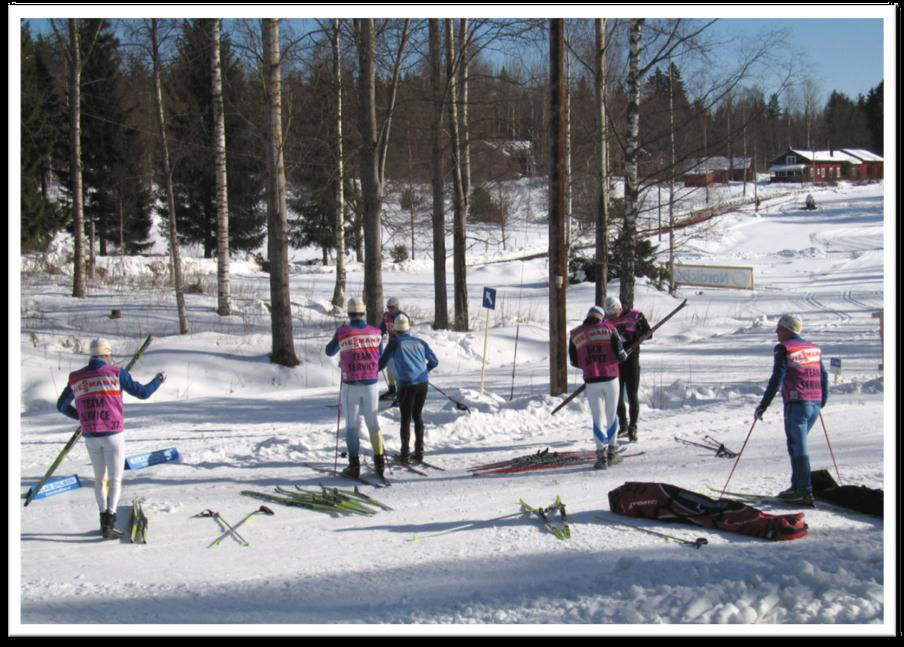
224	306
278	225
175	258
374	142
80	284
602	170
629	225
338	300
459	230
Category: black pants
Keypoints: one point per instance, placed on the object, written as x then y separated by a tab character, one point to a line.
411	404
628	385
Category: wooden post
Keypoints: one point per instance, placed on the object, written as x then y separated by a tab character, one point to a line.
558	366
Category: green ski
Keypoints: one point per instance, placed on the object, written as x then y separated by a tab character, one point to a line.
563	532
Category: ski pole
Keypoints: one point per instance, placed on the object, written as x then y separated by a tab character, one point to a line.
219	519
338	416
698	543
738	459
826	431
458	405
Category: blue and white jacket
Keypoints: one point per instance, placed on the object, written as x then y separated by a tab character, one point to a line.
412	357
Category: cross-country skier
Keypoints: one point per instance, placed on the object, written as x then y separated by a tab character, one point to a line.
631	325
798	369
413	360
596	348
93	396
359	346
388	330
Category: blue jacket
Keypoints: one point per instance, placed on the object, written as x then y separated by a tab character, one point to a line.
780	367
412	358
130	386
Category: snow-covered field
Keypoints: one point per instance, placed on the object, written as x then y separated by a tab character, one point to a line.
241	423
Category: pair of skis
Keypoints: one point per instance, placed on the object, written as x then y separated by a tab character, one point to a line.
78	433
560	532
542	460
227	529
138	523
628	350
712	444
327	500
411	465
750	497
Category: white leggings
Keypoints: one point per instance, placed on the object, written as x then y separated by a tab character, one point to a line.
361	400
603	400
108	457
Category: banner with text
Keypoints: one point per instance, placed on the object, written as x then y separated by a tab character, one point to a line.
715	276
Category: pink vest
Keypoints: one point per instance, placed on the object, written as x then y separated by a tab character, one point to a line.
98	399
802	381
389	322
627	322
595	353
359	352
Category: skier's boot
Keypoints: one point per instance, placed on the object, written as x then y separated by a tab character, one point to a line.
108	526
632	432
354	467
418	455
613	457
602	461
379	464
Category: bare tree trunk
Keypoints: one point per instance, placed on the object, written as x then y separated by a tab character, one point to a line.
278	229
464	40
629	228
441	311
602	170
371	187
338	301
224	307
567	185
459	230
80	284
558	353
175	258
672	171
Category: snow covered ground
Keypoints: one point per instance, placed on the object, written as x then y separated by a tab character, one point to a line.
241	423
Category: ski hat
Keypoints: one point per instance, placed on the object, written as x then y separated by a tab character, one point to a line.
392	302
792	323
356	306
100	347
612	306
401	324
596	312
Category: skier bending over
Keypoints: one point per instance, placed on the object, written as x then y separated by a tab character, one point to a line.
96	391
359	346
596	348
413	360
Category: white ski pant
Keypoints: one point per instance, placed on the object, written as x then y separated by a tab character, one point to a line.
361	400
603	400
108	457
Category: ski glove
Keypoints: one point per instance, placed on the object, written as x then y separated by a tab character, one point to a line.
758	414
162	377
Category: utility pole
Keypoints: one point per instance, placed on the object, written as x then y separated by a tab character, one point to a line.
558	364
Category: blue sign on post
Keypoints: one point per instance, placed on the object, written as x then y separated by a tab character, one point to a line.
489	298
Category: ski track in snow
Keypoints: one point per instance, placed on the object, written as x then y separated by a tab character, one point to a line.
241	423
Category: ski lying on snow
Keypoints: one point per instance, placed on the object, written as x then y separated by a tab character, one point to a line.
382	482
554	461
750	497
395	462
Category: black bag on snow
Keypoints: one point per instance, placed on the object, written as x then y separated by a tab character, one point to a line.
853	497
670	503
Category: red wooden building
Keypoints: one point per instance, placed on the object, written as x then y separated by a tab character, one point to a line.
798	165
